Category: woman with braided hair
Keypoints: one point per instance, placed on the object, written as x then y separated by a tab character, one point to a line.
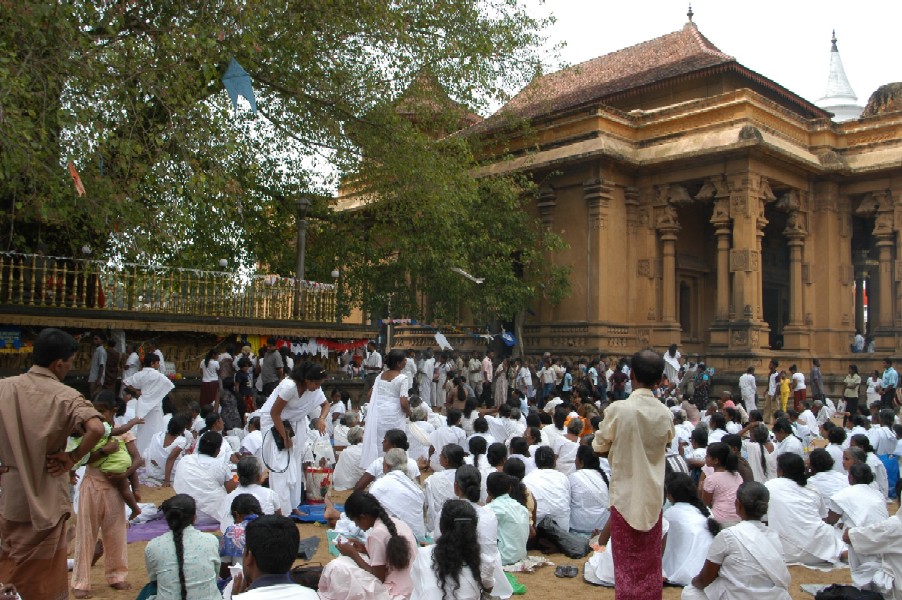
450	569
183	562
385	570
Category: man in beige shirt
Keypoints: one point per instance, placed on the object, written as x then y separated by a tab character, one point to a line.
634	435
37	414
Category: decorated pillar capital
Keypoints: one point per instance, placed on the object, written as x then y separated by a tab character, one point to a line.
546	204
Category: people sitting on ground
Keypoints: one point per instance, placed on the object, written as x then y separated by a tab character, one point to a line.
519	448
511	514
270	550
401	496
252	442
837	437
565	447
550	488
787	442
589	506
345	423
250	480
244	509
883	440
796	513
439	487
205	477
881	479
822	477
390	549
452	567
859	505
746	560
882	540
419	432
348	470
394	438
742	465
481	429
442	436
719	483
691	530
183	562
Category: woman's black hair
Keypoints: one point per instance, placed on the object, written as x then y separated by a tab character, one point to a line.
478	447
783	425
792	467
860	473
453	417
515	468
209	444
820	461
718	421
246	504
480	425
307	371
519	446
469	481
725	456
544	457
681	488
104	400
535	433
398	552
210	355
586	456
458	547
454	455
396	360
209	421
754	497
177	426
179	512
496	454
497	484
760	435
837	435
699	435
469	407
398	439
860	440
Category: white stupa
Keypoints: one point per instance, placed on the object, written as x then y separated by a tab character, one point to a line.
840	98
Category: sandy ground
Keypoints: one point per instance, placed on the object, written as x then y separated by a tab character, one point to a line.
541	584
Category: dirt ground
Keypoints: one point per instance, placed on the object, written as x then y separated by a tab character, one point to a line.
541	584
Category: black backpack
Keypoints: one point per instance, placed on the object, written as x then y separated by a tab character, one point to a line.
846	592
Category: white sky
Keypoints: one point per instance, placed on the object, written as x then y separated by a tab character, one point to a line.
787	41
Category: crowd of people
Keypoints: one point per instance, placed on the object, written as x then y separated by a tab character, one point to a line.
457	467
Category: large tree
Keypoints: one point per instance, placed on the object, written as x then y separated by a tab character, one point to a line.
130	92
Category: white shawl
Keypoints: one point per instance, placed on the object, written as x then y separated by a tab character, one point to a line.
403	499
687	543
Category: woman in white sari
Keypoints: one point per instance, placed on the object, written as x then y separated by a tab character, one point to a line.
761	455
589	506
291	401
165	452
399	494
745	562
859	505
823	478
388	406
691	530
439	487
204	477
550	488
796	513
152	386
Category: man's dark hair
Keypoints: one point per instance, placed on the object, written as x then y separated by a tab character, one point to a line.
273	540
51	345
150	358
648	367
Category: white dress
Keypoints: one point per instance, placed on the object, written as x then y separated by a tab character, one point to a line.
268	499
828	483
347	470
672	365
384	413
760	473
599	569
885	540
418	434
440	438
688	542
439	488
426	585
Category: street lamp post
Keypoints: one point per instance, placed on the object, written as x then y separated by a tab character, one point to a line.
303	205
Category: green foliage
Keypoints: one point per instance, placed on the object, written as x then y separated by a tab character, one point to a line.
130	92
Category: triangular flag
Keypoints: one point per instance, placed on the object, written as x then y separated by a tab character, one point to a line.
238	83
76	179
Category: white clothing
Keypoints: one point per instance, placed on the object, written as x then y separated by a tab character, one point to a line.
760	473
885	540
209	370
132	365
439	488
202	477
426	585
589	506
881	481
751	566
286	591
565	450
497	429
373	363
162	367
528	462
798	381
252	443
440	438
268	499
796	513
426	382
348	470
828	483
748	388
872	394
716	435
860	505
808	419
418	439
883	440
403	499
551	490
599	569
835	451
672	366
376	468
688	542
154	386
789	444
410	371
157	455
487	537
384	413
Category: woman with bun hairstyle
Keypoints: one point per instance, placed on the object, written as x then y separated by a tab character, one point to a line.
283	450
745	562
795	514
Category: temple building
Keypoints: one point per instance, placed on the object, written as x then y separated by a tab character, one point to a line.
705	205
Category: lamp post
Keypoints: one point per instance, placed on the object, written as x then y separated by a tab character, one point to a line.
335	275
303	205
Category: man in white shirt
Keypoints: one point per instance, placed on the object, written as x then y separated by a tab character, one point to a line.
770	398
799	389
488	372
410	369
372	366
426	373
858	343
748	389
474	375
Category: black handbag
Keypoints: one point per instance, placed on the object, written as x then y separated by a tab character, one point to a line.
277	437
308	575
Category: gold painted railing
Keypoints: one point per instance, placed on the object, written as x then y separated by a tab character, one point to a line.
34	280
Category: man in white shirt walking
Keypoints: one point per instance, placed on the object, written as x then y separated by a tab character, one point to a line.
748	389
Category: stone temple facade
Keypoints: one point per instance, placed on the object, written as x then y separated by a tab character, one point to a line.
708	206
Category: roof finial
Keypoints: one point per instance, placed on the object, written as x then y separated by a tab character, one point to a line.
833	39
690	13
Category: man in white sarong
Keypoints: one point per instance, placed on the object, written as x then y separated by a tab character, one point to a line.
150	387
883	539
550	488
399	494
205	478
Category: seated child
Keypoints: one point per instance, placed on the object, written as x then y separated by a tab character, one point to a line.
245	508
122	460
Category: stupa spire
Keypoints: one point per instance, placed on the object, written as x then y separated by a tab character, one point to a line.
839	97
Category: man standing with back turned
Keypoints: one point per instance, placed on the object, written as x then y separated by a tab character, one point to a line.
634	436
37	413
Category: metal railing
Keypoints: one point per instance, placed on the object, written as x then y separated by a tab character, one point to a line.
52	282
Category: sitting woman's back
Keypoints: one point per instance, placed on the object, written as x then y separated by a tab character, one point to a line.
691	530
184	562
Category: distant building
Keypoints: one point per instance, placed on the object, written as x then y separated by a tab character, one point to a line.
840	98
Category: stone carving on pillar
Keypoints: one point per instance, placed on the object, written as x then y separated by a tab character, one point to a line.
673	194
547	202
795	225
714	187
667	220
597	194
631	199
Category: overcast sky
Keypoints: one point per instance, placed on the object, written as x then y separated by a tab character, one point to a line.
787	41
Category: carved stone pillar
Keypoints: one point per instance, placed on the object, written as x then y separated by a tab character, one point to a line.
668	275
597	194
795	334
720	218
546	203
885	281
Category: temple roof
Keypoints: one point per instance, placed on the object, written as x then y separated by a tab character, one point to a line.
681	53
838	86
